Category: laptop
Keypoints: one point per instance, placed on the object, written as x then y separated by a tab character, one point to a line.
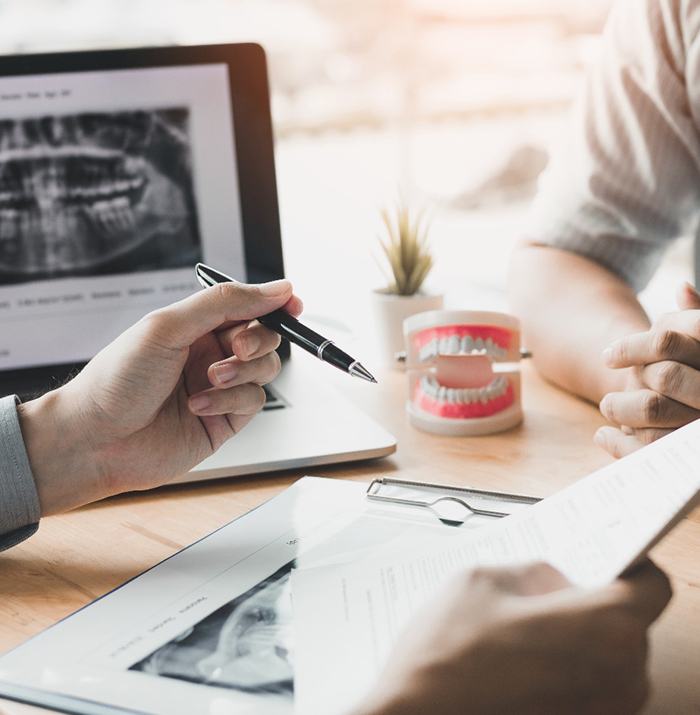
119	171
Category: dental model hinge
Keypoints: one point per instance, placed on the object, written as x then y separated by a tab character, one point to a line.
402	356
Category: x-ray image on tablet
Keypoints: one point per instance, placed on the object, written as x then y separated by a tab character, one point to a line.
244	645
96	193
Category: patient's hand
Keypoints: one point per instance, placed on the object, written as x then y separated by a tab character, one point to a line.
663	382
163	396
525	641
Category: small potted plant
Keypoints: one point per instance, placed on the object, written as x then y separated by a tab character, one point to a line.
405	249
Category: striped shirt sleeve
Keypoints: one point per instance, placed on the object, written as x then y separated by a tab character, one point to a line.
625	181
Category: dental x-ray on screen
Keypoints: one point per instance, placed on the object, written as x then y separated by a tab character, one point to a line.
96	193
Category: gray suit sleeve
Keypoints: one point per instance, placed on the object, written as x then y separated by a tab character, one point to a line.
19	502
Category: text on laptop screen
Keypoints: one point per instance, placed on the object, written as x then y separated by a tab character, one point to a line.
113	185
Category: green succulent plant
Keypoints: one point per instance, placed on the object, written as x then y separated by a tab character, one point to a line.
406	249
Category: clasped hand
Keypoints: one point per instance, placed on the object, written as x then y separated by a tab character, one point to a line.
663	381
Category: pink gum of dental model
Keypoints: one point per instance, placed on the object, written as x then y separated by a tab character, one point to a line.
463	373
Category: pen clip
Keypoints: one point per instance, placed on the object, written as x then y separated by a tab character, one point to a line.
208	276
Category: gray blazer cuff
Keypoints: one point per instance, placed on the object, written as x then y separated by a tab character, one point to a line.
19	501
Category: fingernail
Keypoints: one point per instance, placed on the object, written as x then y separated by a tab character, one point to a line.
248	344
608	355
599	438
200	403
224	373
275	287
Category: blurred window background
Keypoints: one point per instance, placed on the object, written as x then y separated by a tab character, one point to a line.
453	104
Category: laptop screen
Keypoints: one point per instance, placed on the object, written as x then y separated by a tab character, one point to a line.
113	184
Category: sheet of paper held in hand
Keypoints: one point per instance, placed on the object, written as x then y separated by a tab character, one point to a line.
346	617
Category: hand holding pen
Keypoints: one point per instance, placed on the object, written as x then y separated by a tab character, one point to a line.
289	327
159	399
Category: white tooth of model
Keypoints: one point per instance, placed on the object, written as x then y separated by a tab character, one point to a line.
468	344
434	387
479	344
454	344
444	345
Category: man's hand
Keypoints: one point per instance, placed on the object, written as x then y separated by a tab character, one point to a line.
163	396
663	380
525	641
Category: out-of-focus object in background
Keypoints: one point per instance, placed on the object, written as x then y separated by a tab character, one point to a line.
463	371
515	180
408	255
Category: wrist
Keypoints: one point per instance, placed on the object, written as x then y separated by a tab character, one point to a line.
410	692
384	704
64	469
439	678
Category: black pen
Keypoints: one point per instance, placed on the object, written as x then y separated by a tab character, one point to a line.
289	327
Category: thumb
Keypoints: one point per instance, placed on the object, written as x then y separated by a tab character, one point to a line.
181	323
687	297
644	591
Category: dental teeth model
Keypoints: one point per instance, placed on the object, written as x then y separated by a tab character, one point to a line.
464	377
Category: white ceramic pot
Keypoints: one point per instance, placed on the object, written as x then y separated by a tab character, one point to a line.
390	310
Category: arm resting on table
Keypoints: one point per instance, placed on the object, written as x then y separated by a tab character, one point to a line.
571	308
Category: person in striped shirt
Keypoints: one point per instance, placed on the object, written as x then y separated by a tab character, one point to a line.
622	187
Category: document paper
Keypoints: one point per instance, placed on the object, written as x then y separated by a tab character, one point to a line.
347	617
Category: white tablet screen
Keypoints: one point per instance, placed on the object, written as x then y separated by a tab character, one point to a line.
113	184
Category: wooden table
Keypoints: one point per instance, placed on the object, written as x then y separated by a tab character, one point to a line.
76	557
